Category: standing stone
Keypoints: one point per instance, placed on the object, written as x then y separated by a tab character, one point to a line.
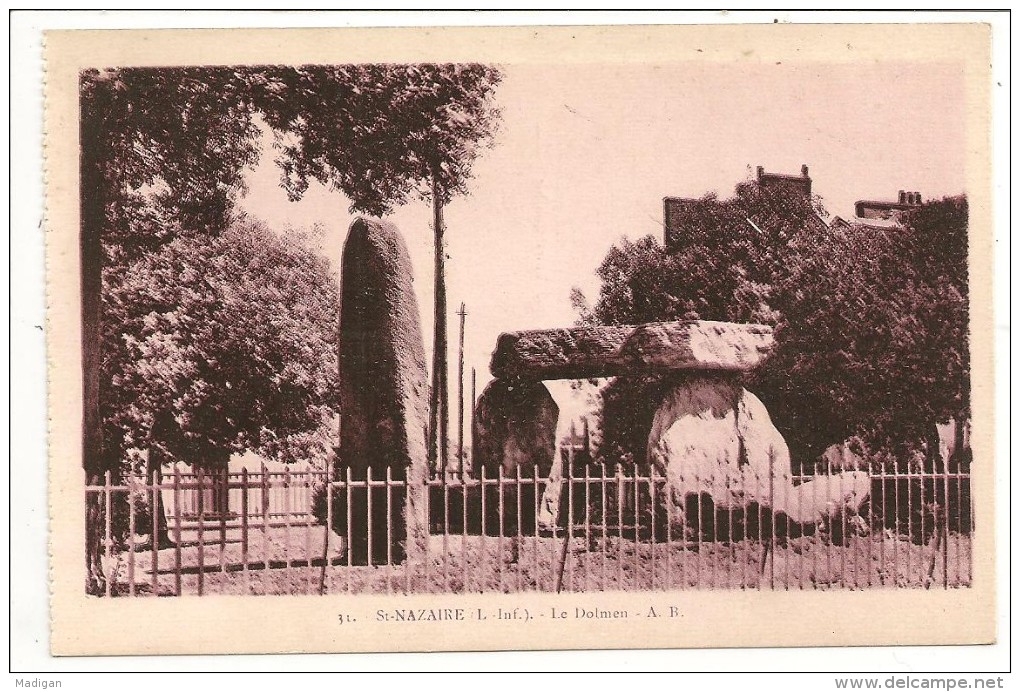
383	396
515	428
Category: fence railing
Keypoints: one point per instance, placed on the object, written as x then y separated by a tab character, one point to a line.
587	528
274	493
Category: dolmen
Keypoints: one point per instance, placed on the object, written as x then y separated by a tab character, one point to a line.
709	436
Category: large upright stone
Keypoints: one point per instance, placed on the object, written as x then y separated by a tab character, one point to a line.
383	396
710	436
607	351
515	430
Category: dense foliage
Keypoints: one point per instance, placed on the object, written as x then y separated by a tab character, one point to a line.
871	324
162	152
165	150
222	344
381	133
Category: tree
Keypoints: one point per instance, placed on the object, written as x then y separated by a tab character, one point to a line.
871	324
413	131
160	149
163	152
220	345
878	320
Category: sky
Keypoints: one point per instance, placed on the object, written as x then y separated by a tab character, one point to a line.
586	153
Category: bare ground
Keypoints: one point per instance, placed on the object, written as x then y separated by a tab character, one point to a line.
487	564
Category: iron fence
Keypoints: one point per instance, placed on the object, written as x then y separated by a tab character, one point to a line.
586	528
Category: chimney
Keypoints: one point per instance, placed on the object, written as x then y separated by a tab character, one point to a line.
761	172
803	171
903	197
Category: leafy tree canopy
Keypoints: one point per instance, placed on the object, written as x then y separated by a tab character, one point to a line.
230	339
408	127
165	149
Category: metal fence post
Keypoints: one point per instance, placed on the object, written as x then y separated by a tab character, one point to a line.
446	529
108	533
945	521
587	519
516	549
619	525
350	514
484	549
465	572
568	478
244	529
286	519
603	538
500	524
772	520
155	501
177	529
201	535
306	493
368	513
221	489
389	529
328	530
131	542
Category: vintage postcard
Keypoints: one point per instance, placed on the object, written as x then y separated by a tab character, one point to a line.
460	339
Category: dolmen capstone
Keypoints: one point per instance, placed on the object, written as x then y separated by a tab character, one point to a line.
710	437
383	397
608	351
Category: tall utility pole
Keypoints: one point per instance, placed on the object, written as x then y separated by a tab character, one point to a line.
460	395
473	431
438	450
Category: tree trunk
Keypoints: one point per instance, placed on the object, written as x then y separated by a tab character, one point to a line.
92	198
933	457
959	442
154	474
215	467
95	580
439	401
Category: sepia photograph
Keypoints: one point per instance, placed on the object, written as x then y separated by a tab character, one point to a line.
583	328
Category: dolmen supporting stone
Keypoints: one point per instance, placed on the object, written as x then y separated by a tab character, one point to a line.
712	437
515	432
383	397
